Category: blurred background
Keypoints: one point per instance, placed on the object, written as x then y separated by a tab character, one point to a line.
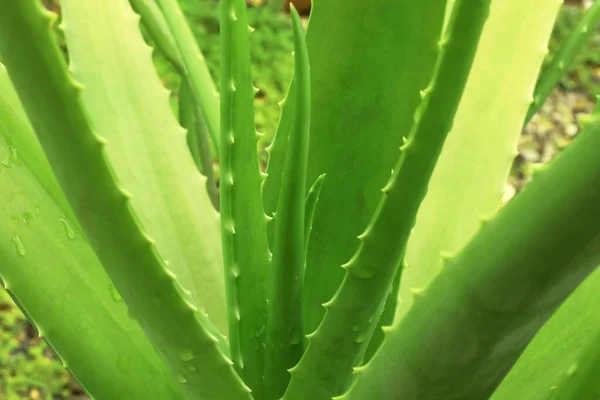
28	368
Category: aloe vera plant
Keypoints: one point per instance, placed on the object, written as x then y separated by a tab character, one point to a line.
371	260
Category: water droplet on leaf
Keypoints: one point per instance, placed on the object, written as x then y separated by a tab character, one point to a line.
13	156
19	245
361	337
186	355
26	216
114	293
68	230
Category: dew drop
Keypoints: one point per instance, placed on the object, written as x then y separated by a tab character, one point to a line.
114	293
13	156
296	337
186	355
19	245
192	367
260	331
68	230
361	338
26	216
355	328
181	379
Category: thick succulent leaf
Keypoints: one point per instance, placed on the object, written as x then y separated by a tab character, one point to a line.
277	151
555	354
178	331
154	21
190	117
194	66
581	379
49	268
563	58
193	121
284	342
468	181
387	315
243	222
311	203
563	357
476	317
340	341
147	148
368	61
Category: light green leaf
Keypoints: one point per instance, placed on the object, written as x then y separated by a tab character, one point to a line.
284	344
49	268
564	56
312	201
277	151
558	349
195	69
469	326
147	148
243	222
339	343
154	21
179	332
468	181
190	117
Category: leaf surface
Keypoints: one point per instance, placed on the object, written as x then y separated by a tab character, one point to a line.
369	61
49	268
182	335
468	181
473	321
146	146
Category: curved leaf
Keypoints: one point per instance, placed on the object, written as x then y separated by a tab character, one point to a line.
47	265
147	148
180	333
369	61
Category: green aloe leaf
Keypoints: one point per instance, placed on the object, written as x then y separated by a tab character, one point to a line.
312	201
562	358
190	118
563	58
243	222
194	66
154	21
191	114
147	148
477	316
49	268
179	332
363	104
277	151
468	181
284	342
340	341
556	352
581	379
